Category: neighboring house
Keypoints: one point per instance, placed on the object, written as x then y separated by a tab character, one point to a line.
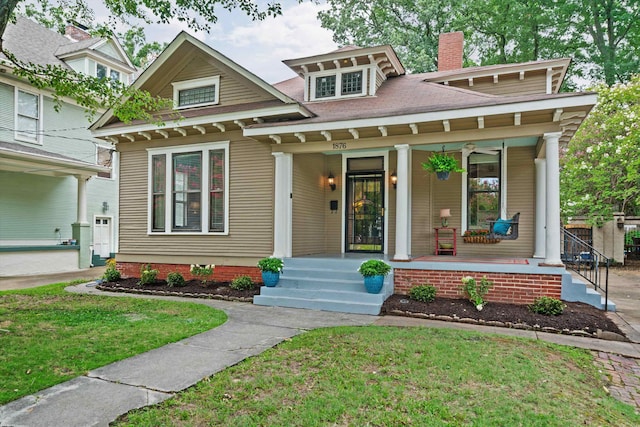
57	182
329	162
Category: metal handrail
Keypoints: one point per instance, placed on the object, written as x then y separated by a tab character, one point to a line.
585	260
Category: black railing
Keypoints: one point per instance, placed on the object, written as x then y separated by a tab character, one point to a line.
585	260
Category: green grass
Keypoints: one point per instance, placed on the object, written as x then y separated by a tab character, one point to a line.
382	376
48	336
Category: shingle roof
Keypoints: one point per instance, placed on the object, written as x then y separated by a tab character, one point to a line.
402	95
31	42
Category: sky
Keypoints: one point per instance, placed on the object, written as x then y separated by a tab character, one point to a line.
258	46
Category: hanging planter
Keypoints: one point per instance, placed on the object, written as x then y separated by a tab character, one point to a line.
442	164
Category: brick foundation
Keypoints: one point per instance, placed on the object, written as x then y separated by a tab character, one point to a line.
221	273
507	287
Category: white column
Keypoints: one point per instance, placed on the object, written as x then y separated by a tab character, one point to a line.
553	238
82	199
402	204
282	221
541	208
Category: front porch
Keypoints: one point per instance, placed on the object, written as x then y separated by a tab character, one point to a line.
331	282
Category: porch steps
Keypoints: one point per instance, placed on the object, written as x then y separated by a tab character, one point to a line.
576	290
324	284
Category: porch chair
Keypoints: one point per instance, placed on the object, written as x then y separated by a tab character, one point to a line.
504	229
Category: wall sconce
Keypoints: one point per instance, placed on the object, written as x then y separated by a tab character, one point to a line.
332	181
620	222
105	207
394	180
444	216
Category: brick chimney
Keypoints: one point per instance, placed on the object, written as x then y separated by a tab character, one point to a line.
450	51
76	33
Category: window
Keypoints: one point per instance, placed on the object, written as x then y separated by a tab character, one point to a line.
325	86
105	158
194	179
337	83
483	189
102	72
352	83
27	116
197	92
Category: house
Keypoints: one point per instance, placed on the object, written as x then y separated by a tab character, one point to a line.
325	168
57	184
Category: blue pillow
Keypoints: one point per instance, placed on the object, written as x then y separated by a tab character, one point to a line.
502	226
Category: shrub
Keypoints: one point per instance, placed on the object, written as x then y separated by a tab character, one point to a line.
476	291
273	265
374	267
147	275
423	293
175	279
242	283
547	306
111	274
203	272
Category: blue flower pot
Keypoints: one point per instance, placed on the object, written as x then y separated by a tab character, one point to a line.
442	176
270	279
373	284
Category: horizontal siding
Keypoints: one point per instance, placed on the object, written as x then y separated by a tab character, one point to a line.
333	221
250	210
309	209
508	85
421	222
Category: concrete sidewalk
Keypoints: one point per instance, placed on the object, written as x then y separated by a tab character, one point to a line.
103	394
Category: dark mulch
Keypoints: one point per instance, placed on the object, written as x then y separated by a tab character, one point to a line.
192	288
577	318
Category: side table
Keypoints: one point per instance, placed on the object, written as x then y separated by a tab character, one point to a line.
446	241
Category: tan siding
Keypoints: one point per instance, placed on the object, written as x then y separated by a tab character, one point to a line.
309	182
250	210
333	221
421	223
391	199
508	85
445	195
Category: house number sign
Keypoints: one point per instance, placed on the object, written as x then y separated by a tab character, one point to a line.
339	145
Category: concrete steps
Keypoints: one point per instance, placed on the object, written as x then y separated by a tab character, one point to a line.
575	289
324	284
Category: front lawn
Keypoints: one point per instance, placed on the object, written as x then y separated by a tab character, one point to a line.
48	336
384	376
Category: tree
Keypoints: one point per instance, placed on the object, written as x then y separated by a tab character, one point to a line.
601	36
95	94
600	172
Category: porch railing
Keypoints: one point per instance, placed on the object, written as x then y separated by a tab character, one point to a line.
585	260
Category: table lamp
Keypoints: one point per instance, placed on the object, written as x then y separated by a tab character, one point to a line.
444	216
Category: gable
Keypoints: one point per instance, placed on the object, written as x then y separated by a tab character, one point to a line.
109	49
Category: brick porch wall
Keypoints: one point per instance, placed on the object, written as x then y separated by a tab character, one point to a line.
507	287
221	273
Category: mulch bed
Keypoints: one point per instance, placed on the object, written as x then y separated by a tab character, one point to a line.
577	319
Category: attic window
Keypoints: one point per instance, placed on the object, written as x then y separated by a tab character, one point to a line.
197	92
325	86
352	83
337	84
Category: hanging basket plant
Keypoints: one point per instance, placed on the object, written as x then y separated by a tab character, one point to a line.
442	164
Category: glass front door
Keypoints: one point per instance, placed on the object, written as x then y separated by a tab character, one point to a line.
365	212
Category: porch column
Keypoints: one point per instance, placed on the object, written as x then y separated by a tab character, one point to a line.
282	205
553	237
81	229
541	208
402	204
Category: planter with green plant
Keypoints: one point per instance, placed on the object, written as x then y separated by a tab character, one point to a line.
441	164
374	271
271	269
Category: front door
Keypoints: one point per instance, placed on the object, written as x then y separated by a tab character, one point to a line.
365	211
102	237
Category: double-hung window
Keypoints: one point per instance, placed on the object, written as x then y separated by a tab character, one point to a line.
339	83
196	92
188	189
28	112
484	189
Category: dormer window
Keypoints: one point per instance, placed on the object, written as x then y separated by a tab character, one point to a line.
197	92
103	72
338	83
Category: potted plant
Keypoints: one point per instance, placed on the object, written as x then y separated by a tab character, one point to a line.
271	268
373	271
442	164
